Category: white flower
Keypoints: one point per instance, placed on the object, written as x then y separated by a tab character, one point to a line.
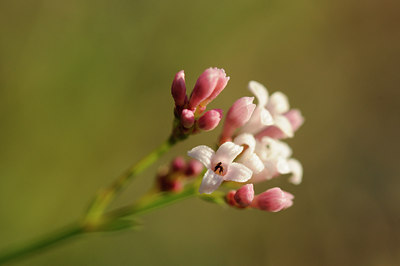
269	111
249	158
276	155
220	165
261	116
297	171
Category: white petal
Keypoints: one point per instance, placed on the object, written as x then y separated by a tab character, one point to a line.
278	103
284	124
297	171
253	162
238	172
227	152
270	170
259	91
246	139
211	181
266	117
203	154
282	166
279	149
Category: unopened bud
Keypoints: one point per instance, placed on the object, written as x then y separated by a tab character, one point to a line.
230	198
295	117
245	195
210	119
187	118
238	115
209	84
193	168
178	164
273	200
178	89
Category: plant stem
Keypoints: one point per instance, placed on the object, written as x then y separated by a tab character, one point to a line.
41	244
107	195
158	202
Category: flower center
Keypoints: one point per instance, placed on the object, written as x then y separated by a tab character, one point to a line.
219	169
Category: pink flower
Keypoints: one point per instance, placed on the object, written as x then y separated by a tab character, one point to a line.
245	195
273	200
210	83
238	115
220	165
210	119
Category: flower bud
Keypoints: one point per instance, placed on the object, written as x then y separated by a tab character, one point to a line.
210	83
295	118
210	119
229	198
238	115
187	118
178	89
178	164
245	195
193	168
273	200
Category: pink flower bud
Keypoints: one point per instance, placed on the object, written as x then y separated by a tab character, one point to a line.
178	89
194	168
187	118
272	132
273	200
178	164
245	195
295	118
238	115
229	198
210	83
210	119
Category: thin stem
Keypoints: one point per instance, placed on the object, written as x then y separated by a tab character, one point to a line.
107	195
45	242
158	202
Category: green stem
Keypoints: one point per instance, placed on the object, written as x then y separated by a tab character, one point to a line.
45	242
158	202
107	195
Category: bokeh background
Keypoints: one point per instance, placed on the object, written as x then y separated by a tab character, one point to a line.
85	91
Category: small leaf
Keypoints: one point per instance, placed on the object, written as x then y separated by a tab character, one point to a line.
119	225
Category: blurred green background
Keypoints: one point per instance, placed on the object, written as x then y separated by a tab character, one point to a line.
85	91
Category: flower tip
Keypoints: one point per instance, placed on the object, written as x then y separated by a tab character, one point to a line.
178	89
273	200
187	118
210	119
245	195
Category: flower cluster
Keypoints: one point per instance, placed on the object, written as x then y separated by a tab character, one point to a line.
172	178
251	150
190	115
